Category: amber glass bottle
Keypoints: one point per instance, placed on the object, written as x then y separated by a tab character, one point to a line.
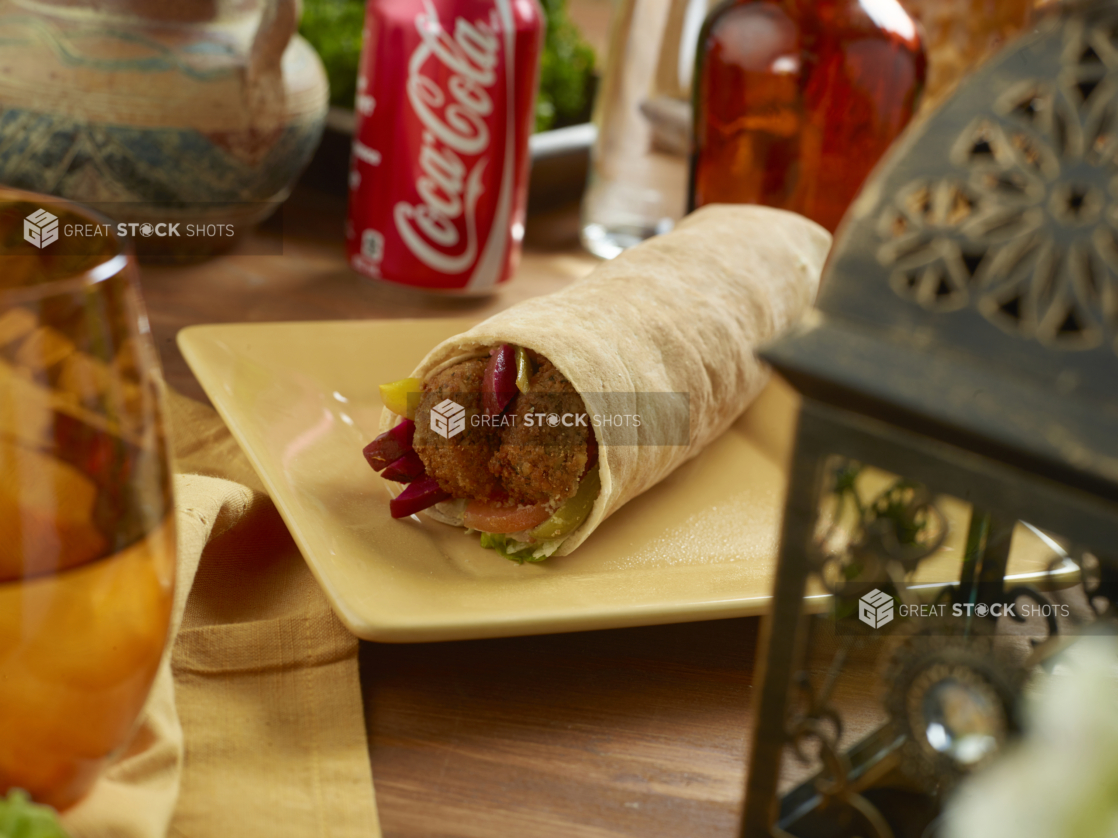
796	100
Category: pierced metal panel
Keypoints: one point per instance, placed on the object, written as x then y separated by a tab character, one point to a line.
1002	204
973	287
1025	227
872	714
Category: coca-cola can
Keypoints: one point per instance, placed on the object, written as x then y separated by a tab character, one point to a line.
439	171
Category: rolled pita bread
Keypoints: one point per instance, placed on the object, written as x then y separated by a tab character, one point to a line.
679	313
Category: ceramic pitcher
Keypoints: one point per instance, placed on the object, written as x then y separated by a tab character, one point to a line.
150	108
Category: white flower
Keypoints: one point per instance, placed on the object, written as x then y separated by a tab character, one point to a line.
1061	781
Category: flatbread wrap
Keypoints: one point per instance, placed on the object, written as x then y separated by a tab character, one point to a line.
667	332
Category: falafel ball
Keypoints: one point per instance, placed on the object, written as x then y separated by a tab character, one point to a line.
459	463
539	461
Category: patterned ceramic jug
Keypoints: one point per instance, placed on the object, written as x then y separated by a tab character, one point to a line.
150	109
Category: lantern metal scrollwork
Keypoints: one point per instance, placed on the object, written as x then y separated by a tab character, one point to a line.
964	351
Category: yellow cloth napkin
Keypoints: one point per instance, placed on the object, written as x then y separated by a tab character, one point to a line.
254	726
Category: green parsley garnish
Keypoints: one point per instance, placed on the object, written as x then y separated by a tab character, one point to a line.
20	818
333	27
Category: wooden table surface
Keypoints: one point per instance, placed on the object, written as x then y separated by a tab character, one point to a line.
632	732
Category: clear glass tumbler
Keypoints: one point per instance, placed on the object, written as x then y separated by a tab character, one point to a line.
87	533
638	178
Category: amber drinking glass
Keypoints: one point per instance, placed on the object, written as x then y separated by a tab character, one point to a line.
87	536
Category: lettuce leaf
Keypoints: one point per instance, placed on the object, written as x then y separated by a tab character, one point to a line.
518	551
20	818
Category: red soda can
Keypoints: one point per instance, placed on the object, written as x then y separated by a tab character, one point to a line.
439	171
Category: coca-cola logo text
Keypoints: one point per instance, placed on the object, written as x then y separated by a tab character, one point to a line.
454	127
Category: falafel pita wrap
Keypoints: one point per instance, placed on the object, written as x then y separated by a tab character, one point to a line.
665	332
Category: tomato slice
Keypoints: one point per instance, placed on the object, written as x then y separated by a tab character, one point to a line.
488	517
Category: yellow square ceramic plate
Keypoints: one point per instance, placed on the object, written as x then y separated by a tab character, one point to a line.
302	401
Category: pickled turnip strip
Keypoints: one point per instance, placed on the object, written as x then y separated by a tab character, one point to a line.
419	495
406	469
390	445
499	384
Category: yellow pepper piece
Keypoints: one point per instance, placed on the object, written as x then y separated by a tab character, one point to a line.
395	396
523	369
566	518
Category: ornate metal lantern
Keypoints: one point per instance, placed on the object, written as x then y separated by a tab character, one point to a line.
965	346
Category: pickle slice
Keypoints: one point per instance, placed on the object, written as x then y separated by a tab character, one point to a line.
567	518
523	369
